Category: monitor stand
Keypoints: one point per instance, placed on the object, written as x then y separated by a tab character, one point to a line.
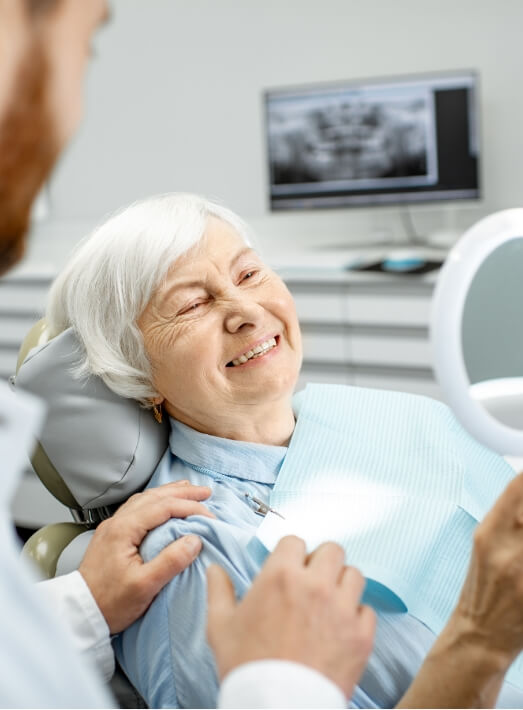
430	248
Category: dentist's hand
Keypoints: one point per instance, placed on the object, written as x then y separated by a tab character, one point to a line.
302	609
121	583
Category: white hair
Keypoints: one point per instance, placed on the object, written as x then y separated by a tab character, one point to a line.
112	276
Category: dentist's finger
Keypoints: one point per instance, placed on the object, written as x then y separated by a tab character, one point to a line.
290	552
327	562
172	560
352	585
158	512
168	490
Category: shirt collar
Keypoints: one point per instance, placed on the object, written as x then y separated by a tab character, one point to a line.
226	457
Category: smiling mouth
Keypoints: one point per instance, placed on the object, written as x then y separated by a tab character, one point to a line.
258	351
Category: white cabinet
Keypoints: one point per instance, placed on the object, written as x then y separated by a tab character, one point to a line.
22	303
392	307
366	329
319	307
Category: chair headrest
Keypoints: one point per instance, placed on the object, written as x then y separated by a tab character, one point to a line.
103	446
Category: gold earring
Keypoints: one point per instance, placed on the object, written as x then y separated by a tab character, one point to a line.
157	411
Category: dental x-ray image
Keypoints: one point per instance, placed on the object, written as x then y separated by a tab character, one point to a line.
361	139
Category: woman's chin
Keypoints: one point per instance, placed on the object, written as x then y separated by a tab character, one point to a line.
275	389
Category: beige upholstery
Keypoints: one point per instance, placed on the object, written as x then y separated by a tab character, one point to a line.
46	545
35	336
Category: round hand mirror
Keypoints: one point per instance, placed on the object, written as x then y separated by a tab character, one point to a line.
477	331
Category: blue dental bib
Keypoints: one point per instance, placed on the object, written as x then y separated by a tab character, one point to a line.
395	480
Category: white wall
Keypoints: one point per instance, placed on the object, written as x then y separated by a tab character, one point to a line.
174	103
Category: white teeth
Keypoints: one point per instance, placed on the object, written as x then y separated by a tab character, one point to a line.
258	350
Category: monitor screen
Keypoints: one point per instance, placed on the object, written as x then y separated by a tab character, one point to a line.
385	141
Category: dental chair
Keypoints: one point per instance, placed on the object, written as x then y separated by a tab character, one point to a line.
96	449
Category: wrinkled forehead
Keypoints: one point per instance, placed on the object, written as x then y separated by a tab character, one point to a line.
219	240
219	250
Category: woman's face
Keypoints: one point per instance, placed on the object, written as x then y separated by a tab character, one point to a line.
222	334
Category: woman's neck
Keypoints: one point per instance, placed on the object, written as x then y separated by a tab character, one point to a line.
271	425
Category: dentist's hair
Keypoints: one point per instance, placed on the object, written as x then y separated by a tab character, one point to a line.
113	274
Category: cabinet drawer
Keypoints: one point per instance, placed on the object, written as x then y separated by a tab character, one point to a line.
324	347
402	351
319	307
387	309
372	349
325	375
23	298
13	330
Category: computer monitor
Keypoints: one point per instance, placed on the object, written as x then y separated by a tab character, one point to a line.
374	142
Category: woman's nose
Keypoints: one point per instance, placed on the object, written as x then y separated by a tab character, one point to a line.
242	313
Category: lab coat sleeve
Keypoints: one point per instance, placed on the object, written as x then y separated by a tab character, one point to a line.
278	684
72	600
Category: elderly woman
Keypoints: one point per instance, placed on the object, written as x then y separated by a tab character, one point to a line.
176	310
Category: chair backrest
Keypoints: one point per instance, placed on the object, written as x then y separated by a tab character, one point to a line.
96	448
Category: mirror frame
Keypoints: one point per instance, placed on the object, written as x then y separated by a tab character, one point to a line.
448	302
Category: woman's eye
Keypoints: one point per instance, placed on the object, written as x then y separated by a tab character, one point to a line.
191	308
248	275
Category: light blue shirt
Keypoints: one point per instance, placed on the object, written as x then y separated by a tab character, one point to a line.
166	655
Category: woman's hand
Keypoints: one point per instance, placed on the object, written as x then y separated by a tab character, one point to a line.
467	664
299	608
121	583
490	608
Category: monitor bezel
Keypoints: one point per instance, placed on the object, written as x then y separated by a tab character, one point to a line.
383	199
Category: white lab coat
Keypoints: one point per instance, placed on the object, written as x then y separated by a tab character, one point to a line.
38	663
262	684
